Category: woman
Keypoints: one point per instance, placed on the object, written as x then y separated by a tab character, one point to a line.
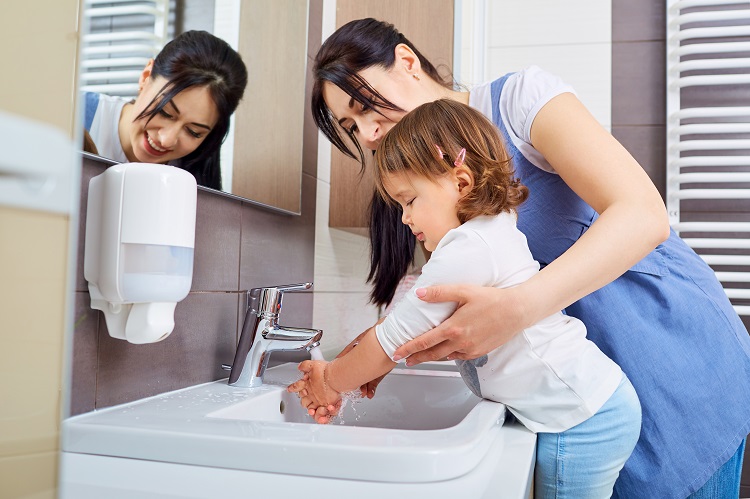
593	221
446	166
181	115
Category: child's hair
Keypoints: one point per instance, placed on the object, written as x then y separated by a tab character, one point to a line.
427	141
358	45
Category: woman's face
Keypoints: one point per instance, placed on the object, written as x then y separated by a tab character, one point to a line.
174	132
369	126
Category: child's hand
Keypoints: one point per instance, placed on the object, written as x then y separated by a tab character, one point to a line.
321	401
324	414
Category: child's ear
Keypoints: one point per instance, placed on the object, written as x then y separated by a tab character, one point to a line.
464	179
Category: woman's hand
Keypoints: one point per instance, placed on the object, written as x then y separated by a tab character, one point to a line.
485	319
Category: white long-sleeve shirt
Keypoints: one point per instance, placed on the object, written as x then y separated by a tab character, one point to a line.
550	376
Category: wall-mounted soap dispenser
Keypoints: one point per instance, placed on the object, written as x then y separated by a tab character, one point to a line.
138	258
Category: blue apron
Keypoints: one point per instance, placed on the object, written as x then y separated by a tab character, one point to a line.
669	325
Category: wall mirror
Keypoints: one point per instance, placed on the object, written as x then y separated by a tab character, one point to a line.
262	156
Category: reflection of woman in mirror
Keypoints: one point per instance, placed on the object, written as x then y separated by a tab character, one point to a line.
181	114
598	227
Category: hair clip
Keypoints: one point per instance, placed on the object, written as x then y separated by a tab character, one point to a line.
460	158
441	154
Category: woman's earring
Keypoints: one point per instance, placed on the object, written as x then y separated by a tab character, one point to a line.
416	76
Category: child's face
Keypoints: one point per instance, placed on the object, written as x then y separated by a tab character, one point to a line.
429	205
177	131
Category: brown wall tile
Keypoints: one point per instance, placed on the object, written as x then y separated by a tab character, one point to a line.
638	20
217	243
85	347
647	144
638	83
203	339
277	248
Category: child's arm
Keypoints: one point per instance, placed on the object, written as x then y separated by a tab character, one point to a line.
323	382
360	365
357	367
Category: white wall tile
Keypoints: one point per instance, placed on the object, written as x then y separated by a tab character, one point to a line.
512	23
341	316
588	68
571	39
341	258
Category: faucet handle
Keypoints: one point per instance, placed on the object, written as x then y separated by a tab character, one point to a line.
267	301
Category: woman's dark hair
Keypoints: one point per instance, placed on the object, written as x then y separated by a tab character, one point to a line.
392	247
199	59
356	46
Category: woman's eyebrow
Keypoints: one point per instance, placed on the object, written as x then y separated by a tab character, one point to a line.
177	111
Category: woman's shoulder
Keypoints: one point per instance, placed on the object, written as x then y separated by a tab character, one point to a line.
94	102
532	87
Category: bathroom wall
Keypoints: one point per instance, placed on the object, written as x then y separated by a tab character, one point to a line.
570	39
239	245
639	83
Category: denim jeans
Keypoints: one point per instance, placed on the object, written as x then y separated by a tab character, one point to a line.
725	483
583	462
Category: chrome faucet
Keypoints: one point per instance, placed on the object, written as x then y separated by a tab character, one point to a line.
262	335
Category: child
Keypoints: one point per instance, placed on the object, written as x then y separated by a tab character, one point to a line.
446	167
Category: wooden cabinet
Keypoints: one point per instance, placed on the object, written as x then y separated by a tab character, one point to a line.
428	24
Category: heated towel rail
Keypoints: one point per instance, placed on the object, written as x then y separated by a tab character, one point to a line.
122	36
708	136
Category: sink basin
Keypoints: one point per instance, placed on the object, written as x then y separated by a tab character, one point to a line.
406	400
424	428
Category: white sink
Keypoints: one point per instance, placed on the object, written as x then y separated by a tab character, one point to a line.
406	400
422	427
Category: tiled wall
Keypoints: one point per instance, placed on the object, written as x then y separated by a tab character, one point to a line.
238	246
570	39
639	83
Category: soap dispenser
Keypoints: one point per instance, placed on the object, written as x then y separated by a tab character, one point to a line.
138	256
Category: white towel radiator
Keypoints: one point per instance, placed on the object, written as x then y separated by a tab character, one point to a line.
122	36
708	136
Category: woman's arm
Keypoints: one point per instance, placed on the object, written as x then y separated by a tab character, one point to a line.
632	222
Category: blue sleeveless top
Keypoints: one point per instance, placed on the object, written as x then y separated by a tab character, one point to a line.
669	325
